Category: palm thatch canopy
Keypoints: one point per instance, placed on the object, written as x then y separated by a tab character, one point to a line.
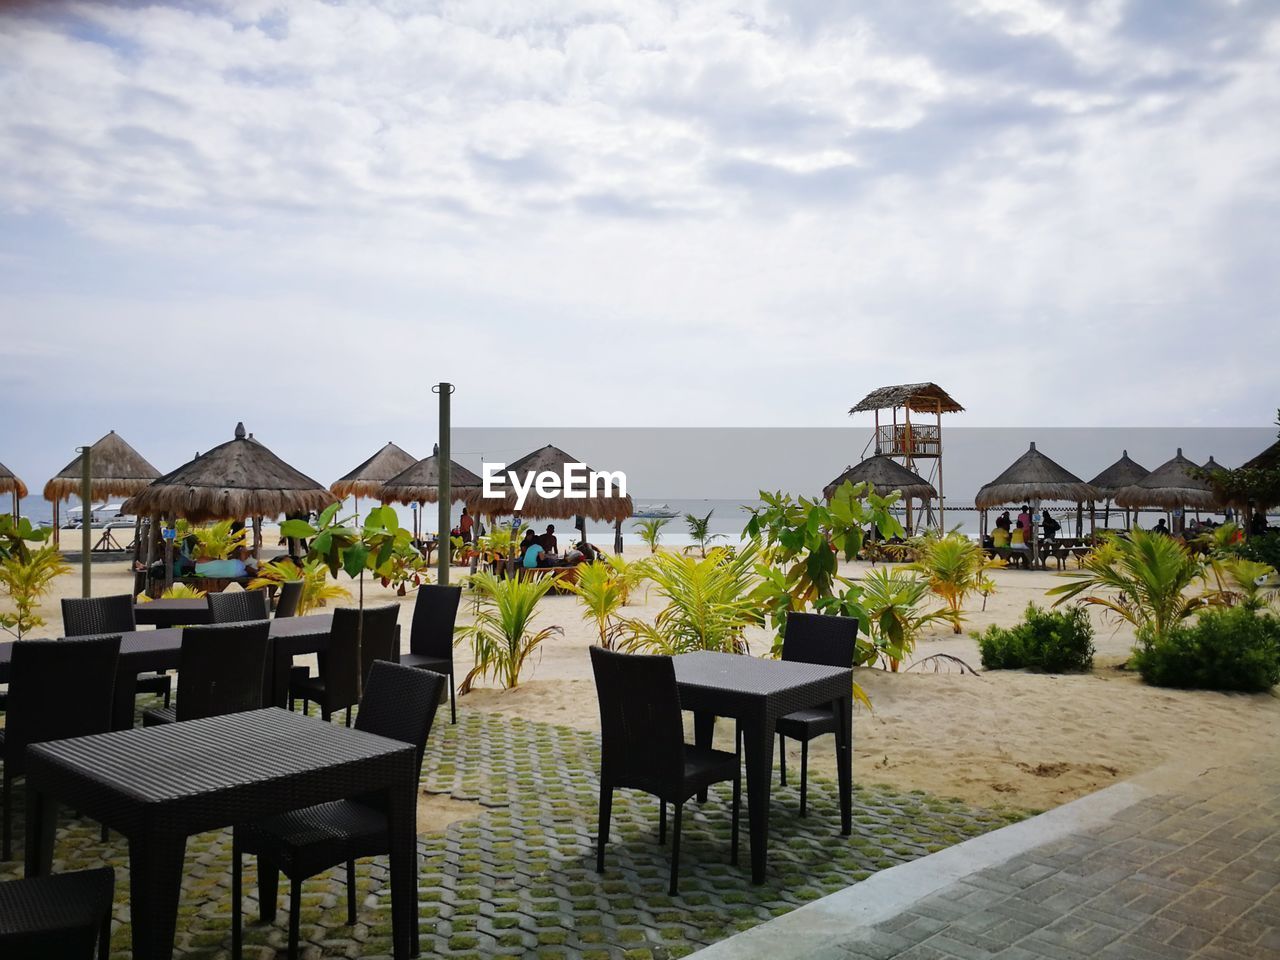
612	506
11	483
1211	465
116	470
1268	459
885	476
237	479
1171	485
420	483
921	397
367	479
1123	473
1033	476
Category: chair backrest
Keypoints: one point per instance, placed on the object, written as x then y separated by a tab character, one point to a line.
435	611
379	641
290	594
238	607
400	703
94	616
820	638
58	689
641	731
222	669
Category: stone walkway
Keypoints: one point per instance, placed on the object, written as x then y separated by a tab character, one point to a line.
1181	863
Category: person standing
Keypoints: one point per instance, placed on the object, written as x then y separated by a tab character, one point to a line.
464	526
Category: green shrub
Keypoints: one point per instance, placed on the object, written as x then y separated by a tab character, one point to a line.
1262	548
1056	641
1230	649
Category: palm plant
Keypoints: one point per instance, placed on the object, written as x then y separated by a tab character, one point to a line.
218	541
1244	583
650	531
27	580
1143	580
891	599
954	567
629	573
709	605
602	595
317	588
502	635
700	532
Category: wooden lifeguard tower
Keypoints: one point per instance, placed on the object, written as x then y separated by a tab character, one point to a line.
908	442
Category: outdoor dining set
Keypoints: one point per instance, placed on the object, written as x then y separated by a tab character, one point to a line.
303	795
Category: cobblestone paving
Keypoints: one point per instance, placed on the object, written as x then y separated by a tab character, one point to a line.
519	880
1192	872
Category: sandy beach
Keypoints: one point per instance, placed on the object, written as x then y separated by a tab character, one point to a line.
1004	737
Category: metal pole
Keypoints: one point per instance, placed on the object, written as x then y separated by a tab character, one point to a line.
443	465
86	521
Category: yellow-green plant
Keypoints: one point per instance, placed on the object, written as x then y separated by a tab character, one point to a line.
891	599
218	541
26	580
954	567
1145	580
176	591
650	531
629	573
602	594
709	605
700	532
501	541
1244	583
317	588
502	636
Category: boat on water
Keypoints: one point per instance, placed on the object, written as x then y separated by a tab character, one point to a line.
650	511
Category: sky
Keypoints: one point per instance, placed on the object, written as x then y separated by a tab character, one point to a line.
587	213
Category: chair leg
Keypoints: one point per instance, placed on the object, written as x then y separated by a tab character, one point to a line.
602	833
782	757
351	893
675	848
453	700
168	689
737	817
346	721
804	776
662	821
237	918
295	917
8	815
268	889
104	937
106	833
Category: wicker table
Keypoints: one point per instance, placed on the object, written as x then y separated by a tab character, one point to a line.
174	612
158	785
756	693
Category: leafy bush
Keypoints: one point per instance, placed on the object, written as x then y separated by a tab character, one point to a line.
1262	548
1231	649
1056	641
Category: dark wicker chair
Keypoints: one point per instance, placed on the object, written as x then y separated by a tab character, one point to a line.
57	689
64	916
400	703
290	594
239	606
221	669
345	663
99	616
642	746
831	642
431	636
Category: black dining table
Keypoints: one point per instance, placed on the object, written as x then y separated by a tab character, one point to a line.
172	612
159	785
755	693
142	651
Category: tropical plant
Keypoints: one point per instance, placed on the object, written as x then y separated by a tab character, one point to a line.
1056	641
1223	649
501	541
709	606
406	567
1222	540
26	580
16	534
502	636
891	599
602	596
176	591
1143	580
373	546
218	541
629	573
650	531
1244	583
954	566
317	588
700	532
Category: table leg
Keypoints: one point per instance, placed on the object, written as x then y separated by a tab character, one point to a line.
844	761
704	732
155	887
42	821
281	664
402	833
758	736
126	690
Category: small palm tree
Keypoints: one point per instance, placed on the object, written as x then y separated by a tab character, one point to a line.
891	599
317	588
954	567
629	573
502	636
602	595
650	531
700	532
27	580
1244	583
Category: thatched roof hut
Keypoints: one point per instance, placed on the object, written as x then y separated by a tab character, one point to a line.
420	483
1211	465
597	505
1123	473
920	397
117	470
1268	459
1173	484
1033	476
11	483
367	479
885	476
237	479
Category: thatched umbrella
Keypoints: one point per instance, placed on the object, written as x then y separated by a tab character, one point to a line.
1268	459
420	483
11	483
886	476
367	479
1173	485
1031	478
1123	473
116	470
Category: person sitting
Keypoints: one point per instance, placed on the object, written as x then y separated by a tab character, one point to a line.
1050	526
1000	537
1258	524
548	540
233	568
1161	527
1004	523
531	551
1018	540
